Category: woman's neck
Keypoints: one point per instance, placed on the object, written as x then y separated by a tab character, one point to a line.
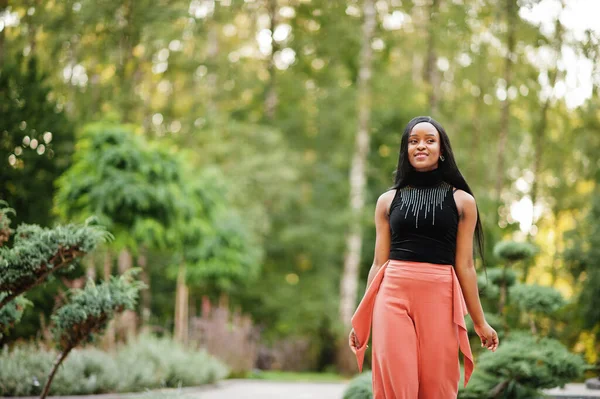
427	178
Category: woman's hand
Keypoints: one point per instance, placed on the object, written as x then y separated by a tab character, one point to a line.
353	341
488	336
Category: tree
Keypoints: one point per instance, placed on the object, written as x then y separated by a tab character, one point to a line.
582	257
510	252
36	139
88	314
357	177
522	366
511	9
37	253
215	253
134	188
536	300
40	253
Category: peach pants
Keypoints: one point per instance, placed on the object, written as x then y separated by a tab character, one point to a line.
417	311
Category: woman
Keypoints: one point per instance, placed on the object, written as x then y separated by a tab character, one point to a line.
422	275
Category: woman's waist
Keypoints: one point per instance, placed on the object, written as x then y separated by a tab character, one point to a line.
419	267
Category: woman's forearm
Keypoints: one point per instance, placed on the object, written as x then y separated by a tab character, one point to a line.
372	272
468	283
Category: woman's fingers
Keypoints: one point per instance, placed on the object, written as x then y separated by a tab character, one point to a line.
496	341
353	341
490	342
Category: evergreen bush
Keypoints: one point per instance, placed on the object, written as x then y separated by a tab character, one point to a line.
513	251
38	252
361	387
523	365
536	298
498	276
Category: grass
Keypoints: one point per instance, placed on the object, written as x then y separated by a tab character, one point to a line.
296	376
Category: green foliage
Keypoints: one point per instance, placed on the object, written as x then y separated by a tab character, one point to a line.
498	275
5	221
91	308
144	363
12	312
217	247
225	260
536	298
160	67
513	251
582	256
133	188
360	387
523	365
489	289
36	138
38	251
36	254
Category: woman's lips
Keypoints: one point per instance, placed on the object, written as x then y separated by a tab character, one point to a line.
421	156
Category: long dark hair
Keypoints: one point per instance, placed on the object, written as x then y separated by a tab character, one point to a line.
448	168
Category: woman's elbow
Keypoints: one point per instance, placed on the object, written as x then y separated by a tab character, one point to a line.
465	264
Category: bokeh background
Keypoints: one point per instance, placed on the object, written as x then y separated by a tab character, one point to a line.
236	150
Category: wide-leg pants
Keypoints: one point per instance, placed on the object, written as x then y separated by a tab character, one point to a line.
417	313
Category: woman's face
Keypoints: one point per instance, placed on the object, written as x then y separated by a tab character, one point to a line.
424	147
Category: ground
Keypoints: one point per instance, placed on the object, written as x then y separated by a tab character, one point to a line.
263	389
256	389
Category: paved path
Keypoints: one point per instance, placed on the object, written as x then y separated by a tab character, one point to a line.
573	391
257	389
263	389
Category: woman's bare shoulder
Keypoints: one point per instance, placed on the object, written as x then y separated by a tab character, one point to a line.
385	200
464	201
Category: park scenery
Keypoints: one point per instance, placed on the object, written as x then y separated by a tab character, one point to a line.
187	188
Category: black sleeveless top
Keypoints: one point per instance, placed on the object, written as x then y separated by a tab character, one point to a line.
424	220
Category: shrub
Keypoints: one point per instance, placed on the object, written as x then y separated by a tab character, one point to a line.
152	362
522	366
24	370
514	251
38	252
361	387
145	363
229	336
536	298
499	276
12	312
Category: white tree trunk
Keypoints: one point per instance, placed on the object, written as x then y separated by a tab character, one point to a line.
505	115
3	6
349	281
431	74
271	98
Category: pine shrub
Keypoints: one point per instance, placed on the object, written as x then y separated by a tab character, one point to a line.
361	387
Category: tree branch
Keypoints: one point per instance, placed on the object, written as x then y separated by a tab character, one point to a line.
65	256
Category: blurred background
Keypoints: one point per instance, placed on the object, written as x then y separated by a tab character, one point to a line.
236	149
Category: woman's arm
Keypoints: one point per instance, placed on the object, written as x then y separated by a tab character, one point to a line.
465	268
382	234
382	247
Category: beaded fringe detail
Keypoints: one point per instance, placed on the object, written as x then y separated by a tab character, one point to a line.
428	199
